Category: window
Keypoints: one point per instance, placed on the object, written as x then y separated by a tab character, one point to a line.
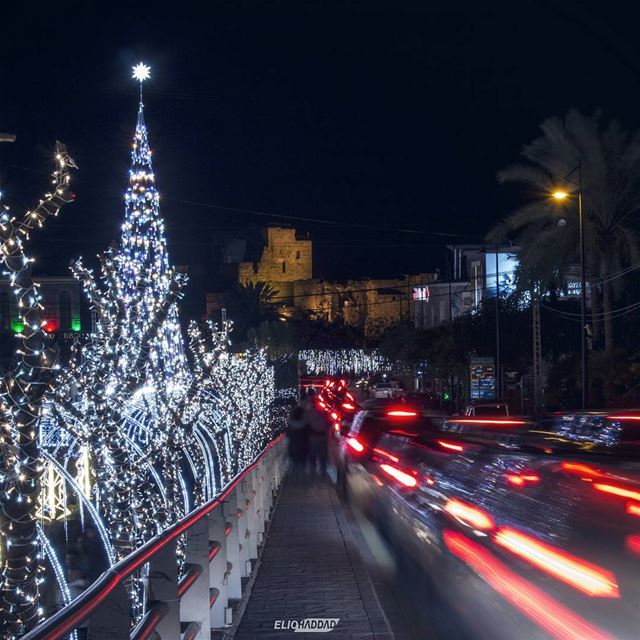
297	255
64	306
284	267
5	319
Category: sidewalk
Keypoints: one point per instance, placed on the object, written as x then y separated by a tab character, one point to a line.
311	568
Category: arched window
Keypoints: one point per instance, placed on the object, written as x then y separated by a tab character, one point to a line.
64	306
5	318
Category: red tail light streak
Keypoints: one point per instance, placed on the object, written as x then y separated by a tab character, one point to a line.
543	610
576	572
469	515
401	413
521	479
355	444
581	469
385	454
491	421
623	492
633	508
632	544
402	477
450	445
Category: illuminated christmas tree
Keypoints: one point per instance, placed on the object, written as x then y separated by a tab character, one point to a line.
144	261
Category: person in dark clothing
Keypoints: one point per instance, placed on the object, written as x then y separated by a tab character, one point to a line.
317	426
298	440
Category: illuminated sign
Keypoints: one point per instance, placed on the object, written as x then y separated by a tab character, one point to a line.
505	275
421	293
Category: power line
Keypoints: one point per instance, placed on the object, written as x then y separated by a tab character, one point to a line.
272	214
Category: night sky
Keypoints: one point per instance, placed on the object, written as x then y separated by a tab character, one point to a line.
375	117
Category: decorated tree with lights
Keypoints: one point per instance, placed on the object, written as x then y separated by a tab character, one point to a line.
21	395
144	257
235	392
127	404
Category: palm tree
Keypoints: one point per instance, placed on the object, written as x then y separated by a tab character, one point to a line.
609	158
251	304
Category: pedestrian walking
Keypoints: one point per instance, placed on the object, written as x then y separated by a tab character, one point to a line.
317	427
298	440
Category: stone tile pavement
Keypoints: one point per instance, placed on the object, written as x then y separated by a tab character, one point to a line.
311	568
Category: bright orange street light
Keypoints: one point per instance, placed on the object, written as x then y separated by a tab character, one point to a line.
560	195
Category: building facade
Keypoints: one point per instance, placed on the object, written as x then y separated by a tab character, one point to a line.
63	312
285	262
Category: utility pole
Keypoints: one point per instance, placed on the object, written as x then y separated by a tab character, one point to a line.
583	300
537	356
454	395
498	374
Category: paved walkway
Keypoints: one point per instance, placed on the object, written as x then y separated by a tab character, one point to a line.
311	568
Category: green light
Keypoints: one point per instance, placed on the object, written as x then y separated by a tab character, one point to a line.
446	395
76	325
17	326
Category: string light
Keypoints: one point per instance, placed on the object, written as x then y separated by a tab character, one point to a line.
348	361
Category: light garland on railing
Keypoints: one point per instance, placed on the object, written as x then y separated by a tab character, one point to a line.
343	361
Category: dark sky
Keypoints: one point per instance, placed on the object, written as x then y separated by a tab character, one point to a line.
384	114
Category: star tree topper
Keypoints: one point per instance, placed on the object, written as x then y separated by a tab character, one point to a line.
141	72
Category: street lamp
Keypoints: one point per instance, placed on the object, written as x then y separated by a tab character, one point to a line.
564	195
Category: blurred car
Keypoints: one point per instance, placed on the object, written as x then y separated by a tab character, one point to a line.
385	390
522	529
359	449
487	409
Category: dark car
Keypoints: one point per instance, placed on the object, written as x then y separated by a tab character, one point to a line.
360	449
528	532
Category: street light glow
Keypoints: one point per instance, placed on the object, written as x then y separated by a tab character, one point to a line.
560	195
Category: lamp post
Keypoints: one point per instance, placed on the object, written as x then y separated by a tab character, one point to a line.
562	195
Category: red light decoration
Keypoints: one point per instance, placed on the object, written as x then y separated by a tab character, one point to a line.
334	415
355	444
401	476
558	621
469	515
348	406
386	454
574	571
616	490
401	413
336	426
450	446
50	326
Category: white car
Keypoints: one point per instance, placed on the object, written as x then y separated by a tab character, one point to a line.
385	390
